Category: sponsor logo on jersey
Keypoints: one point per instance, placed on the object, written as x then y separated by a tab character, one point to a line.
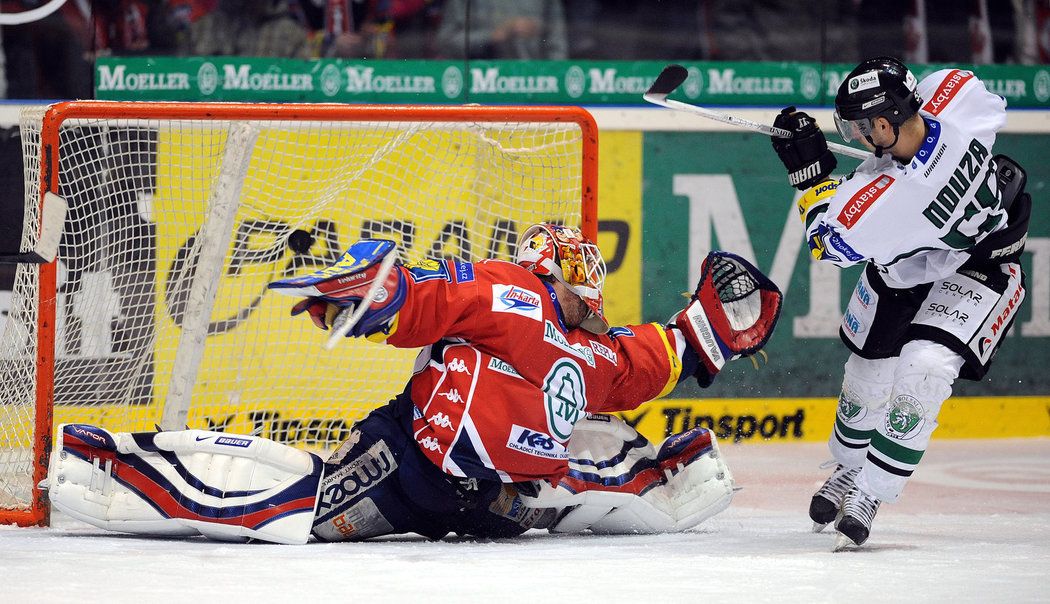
452	395
864	295
851	323
565	394
603	351
430	444
356	477
948	312
959	291
826	240
1011	305
501	366
553	335
426	269
515	300
457	366
535	443
620	332
946	91
229	441
905	419
441	420
863	200
464	271
925	152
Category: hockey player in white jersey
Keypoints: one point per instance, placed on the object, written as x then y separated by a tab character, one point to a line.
939	223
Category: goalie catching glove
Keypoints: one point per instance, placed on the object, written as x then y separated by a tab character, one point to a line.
731	314
335	291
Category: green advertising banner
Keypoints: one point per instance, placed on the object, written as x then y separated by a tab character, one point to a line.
728	190
545	82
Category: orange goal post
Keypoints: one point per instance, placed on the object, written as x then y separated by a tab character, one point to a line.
155	312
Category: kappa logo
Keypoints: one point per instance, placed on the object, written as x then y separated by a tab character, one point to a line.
430	444
863	200
906	418
452	395
457	366
441	420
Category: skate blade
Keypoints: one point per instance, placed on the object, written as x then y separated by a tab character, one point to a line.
843	543
818	526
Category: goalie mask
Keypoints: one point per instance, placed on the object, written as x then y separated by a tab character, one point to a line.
568	256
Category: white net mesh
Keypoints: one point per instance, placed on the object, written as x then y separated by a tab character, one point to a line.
146	200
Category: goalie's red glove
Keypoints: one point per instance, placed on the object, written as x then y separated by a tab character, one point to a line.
341	287
731	314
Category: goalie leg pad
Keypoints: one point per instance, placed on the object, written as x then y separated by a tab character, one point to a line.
184	483
624	485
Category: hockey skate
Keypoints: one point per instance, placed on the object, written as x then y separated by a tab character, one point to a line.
854	524
824	507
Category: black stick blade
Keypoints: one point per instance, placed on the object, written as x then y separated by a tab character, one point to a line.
669	79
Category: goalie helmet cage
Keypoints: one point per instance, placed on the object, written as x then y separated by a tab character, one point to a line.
179	214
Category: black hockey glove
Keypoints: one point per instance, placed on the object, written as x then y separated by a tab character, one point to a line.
805	155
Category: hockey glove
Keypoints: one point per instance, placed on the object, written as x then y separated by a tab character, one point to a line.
805	154
732	313
338	289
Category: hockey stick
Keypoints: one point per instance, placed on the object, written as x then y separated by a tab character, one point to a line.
672	77
341	326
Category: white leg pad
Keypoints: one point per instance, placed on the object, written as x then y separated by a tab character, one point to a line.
184	483
619	483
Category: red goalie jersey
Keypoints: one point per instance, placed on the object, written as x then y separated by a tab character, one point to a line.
500	381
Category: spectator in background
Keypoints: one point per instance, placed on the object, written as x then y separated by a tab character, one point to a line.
133	27
779	30
503	29
49	58
262	28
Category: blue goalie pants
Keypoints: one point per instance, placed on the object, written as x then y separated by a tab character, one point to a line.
378	483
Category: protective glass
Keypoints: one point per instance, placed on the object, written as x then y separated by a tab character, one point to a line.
852	130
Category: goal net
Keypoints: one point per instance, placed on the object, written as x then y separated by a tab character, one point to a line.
156	311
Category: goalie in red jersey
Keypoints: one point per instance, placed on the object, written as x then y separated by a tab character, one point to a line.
504	425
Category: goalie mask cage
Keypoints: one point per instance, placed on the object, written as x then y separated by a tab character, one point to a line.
156	312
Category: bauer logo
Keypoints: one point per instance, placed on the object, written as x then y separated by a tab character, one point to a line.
535	443
229	441
863	200
517	301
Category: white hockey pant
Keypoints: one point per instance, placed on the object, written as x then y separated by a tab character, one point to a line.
888	411
619	483
184	483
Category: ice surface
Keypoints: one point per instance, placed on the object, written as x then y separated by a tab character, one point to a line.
972	526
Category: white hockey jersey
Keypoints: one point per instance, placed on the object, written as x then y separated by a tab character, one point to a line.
917	221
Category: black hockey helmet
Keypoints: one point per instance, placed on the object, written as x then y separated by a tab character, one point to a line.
879	87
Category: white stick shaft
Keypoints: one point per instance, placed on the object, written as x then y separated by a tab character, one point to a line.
748	124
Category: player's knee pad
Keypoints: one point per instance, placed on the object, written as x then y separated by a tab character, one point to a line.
184	483
619	483
868	382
